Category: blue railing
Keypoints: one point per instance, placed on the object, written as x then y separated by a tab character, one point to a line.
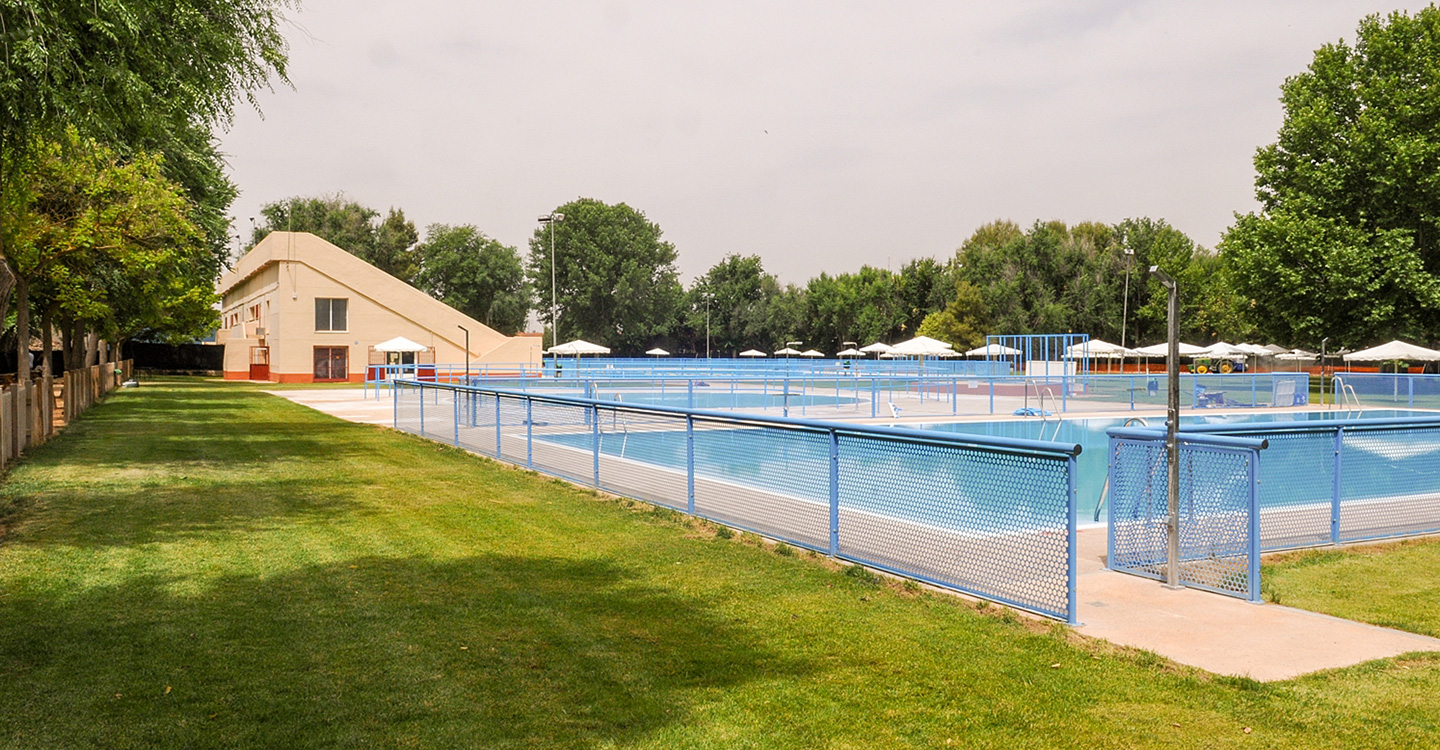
1321	482
988	516
1394	389
1218	510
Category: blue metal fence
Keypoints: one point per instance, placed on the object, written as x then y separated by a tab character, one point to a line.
1322	482
1218	514
1394	389
991	517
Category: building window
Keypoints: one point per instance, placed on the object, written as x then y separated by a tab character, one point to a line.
330	314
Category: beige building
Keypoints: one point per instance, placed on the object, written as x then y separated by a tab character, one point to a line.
297	309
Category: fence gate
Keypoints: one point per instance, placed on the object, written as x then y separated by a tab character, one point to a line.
1219	514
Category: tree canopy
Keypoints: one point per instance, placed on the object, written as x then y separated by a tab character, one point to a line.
387	244
474	274
615	275
1347	242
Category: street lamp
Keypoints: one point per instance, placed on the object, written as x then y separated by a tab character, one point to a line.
1125	304
1172	425
1323	342
467	352
552	219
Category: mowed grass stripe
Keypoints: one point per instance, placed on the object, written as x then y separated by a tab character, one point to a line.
297	581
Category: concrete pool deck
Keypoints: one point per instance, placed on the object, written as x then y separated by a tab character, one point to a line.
1216	633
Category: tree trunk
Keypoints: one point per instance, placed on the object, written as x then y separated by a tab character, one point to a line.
22	330
47	340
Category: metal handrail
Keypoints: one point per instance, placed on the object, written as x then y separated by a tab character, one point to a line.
1105	491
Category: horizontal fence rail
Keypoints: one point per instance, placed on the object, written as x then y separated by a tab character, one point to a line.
854	394
1394	390
987	516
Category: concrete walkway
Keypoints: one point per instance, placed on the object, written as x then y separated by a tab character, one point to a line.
1216	633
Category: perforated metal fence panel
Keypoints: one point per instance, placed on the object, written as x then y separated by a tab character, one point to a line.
1218	523
989	516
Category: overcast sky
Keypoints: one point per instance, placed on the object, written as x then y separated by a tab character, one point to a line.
820	136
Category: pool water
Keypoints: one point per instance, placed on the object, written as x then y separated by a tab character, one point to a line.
1089	433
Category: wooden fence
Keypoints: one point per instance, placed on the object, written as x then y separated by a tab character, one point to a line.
28	409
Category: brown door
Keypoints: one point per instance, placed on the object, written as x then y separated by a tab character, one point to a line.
332	363
259	363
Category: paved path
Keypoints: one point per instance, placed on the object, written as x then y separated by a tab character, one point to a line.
1216	633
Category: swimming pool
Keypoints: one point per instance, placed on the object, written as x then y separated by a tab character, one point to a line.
1089	433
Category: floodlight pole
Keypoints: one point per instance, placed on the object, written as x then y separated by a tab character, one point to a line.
1172	425
1125	301
552	219
467	352
1323	342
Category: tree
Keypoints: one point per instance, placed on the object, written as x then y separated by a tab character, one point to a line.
615	275
737	290
963	321
136	74
474	274
924	286
1353	179
388	245
107	245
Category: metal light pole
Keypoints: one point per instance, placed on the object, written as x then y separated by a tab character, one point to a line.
552	219
1125	301
467	352
1323	342
1172	425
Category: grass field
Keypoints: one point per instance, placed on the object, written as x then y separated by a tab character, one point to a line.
201	565
1396	585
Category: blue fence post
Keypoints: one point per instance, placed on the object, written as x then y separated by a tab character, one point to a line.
690	393
1253	532
690	464
834	494
595	422
1072	509
954	393
530	432
1335	488
1109	506
421	399
497	425
455	398
1064	391
1411	382
395	405
992	395
874	397
1132	392
1253	395
785	399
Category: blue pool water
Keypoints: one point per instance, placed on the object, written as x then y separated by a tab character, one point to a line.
756	457
723	399
1090	434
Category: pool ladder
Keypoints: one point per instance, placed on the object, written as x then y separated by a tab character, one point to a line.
1105	491
1041	393
1345	392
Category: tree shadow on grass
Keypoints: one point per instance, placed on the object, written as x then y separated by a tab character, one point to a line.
484	651
201	424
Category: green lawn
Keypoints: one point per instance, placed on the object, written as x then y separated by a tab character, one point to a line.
200	565
1396	585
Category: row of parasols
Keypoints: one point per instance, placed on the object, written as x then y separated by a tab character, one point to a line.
924	346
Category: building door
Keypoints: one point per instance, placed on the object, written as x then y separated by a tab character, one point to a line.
259	363
332	363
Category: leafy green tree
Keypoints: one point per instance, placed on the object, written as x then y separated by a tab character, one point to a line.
389	245
963	322
1330	278
108	246
615	275
137	74
474	274
737	290
924	286
1352	181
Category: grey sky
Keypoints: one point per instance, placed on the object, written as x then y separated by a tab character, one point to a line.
818	135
